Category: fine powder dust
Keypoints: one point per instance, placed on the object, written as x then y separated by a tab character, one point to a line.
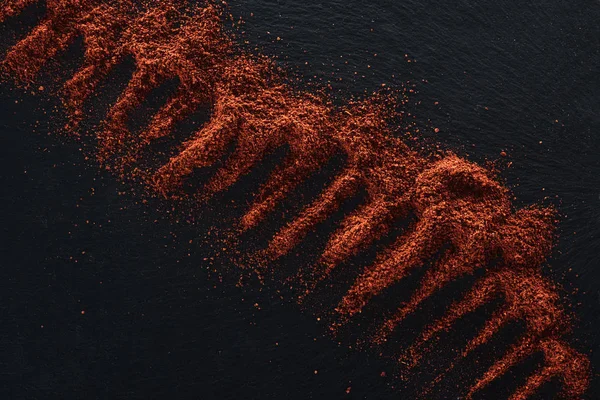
456	203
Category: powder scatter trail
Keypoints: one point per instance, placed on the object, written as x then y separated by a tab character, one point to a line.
458	206
260	118
10	8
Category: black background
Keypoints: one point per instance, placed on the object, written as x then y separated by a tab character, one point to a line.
162	319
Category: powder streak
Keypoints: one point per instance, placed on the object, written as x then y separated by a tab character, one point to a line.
253	104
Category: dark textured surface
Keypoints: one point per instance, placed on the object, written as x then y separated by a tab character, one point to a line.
157	325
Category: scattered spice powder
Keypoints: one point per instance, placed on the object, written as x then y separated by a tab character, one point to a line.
254	105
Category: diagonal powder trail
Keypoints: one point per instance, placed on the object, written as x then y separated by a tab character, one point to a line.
255	107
